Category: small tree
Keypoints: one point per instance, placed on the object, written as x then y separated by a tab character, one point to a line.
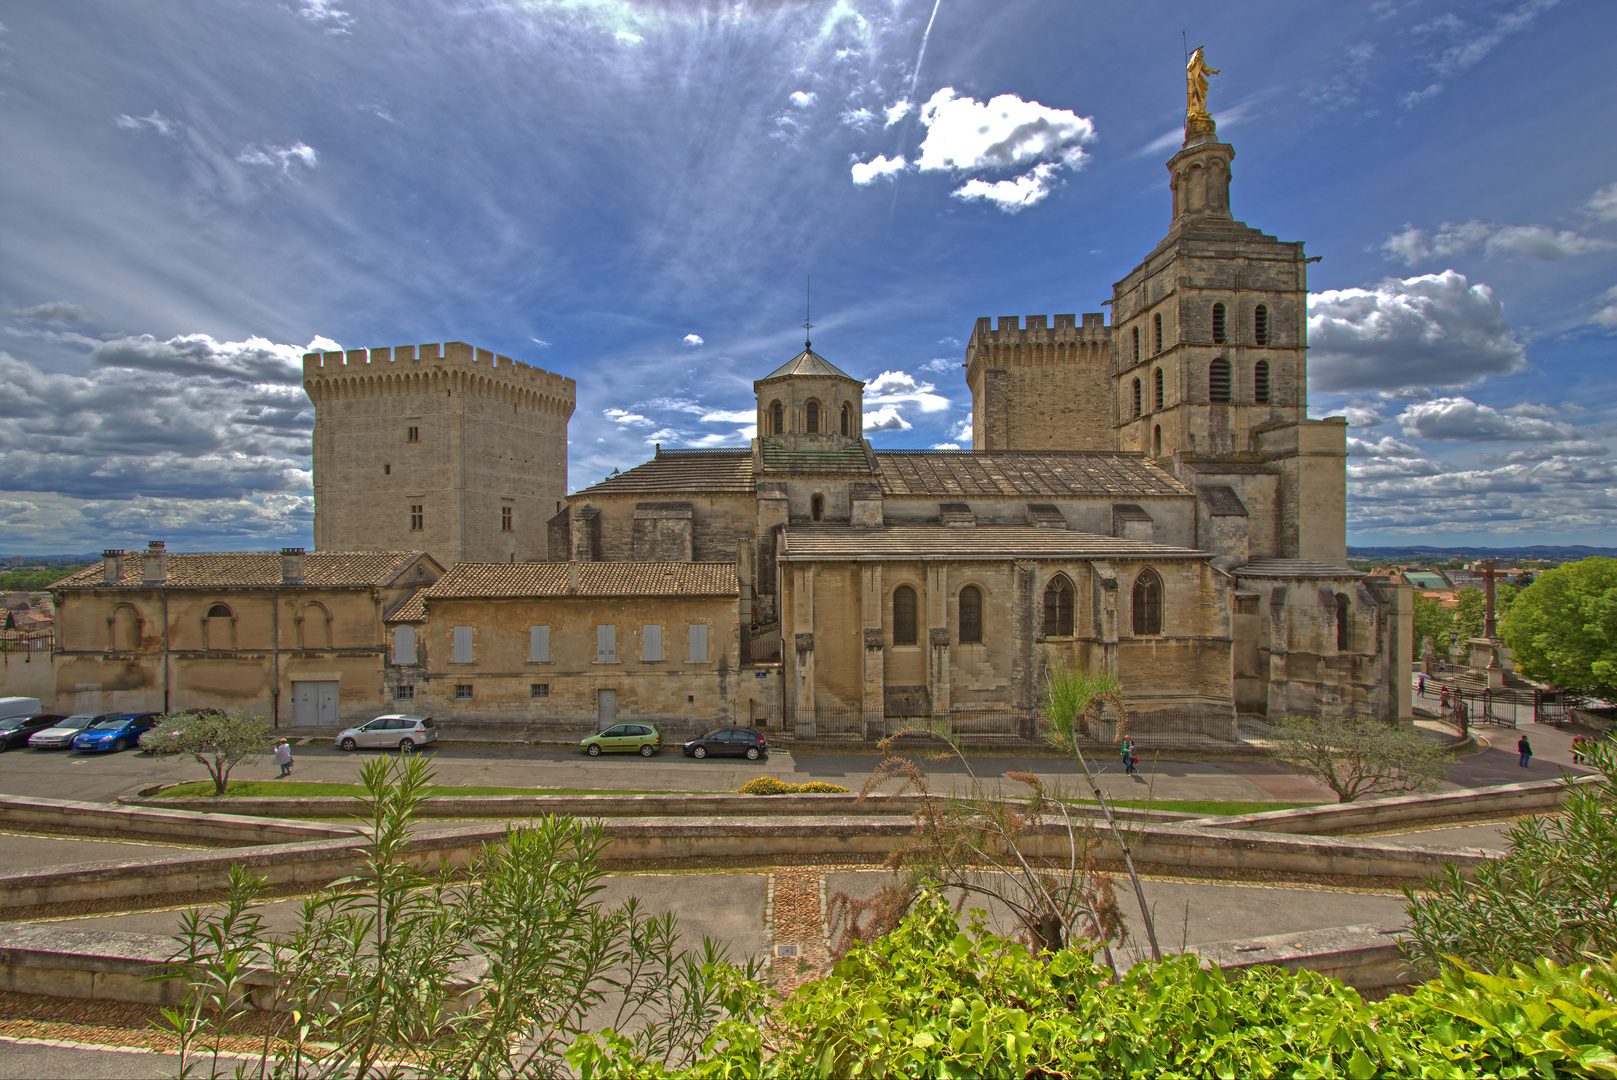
1359	757
217	740
1433	620
1563	627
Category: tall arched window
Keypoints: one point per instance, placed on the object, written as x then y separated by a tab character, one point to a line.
817	507
1260	382
847	419
811	417
1260	324
1058	607
1218	381
903	615
1136	344
1344	624
1156	390
971	615
777	419
1156	442
1148	603
1156	323
1218	324
314	627
218	628
125	627
1137	398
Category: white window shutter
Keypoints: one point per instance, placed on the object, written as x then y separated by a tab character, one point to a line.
606	644
538	644
651	642
404	644
463	645
698	639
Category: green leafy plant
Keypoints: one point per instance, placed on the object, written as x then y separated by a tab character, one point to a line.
1563	627
216	740
1355	758
1552	894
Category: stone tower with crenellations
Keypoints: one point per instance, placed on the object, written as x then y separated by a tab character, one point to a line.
445	448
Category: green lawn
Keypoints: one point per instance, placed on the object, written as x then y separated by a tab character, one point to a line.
259	789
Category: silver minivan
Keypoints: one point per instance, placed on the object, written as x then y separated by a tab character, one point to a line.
394	729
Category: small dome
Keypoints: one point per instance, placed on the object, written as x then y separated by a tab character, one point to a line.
808	362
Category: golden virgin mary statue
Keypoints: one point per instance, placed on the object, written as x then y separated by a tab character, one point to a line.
1196	73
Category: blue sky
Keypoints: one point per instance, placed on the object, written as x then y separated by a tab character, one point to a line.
632	193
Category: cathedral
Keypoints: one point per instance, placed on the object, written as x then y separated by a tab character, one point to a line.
1146	496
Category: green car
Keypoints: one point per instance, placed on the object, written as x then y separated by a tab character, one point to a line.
623	738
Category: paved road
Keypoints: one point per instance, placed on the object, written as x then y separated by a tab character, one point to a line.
25	1059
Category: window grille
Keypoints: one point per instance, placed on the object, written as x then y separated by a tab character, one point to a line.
971	615
1218	324
1218	381
1260	324
1137	398
1156	321
538	690
1260	382
1156	390
405	692
904	616
463	691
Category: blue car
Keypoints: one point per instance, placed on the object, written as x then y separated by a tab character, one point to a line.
116	732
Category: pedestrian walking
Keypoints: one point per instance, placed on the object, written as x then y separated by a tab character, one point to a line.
283	756
1130	758
1577	749
1422	682
1525	749
1443	701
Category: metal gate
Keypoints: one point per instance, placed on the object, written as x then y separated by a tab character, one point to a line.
314	704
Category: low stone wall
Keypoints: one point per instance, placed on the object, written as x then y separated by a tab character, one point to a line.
200	822
1503	799
1363	957
637	839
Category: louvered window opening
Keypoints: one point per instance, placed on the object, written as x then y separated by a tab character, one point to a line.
1260	382
1156	395
1218	324
1138	396
1260	324
1218	382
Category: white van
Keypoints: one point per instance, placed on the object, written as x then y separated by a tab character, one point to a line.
19	706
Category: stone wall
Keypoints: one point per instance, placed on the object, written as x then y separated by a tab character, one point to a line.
1042	387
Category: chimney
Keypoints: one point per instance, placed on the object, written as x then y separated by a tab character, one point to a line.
112	563
154	565
291	565
572	577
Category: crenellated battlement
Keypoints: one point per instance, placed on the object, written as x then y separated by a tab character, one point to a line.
1040	328
450	355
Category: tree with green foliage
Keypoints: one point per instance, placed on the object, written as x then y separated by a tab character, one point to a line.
217	740
1356	757
1553	893
1434	621
1563	627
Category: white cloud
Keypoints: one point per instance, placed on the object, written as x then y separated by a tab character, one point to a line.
1431	330
885	418
945	446
803	99
965	135
941	364
1603	203
1460	418
281	157
254	360
540	342
1011	196
629	419
1607	315
953	341
864	172
961	432
691	341
1471	44
1413	246
154	120
1569	448
860	119
1559	494
325	14
1362	416
625	37
729	416
899	388
55	311
896	112
1527	408
1386	446
322	344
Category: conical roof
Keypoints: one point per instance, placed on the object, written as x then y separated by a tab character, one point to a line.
808	362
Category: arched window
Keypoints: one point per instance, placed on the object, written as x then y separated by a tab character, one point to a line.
1156	442
1136	344
1344	624
817	507
971	615
219	628
1058	608
1148	603
1137	398
314	627
1218	381
1156	322
777	419
1156	390
218	611
847	419
1260	324
903	615
1260	382
125	627
811	417
1218	324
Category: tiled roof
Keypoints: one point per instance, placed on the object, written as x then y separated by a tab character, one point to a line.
682	470
594	579
412	607
982	542
257	568
912	472
846	459
1293	568
807	362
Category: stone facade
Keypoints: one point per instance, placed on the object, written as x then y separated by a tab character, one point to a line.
449	449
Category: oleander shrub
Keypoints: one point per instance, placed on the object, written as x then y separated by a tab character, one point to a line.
820	787
766	785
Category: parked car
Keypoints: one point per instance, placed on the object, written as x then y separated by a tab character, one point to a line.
61	736
637	738
14	730
735	742
115	733
12	708
394	729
